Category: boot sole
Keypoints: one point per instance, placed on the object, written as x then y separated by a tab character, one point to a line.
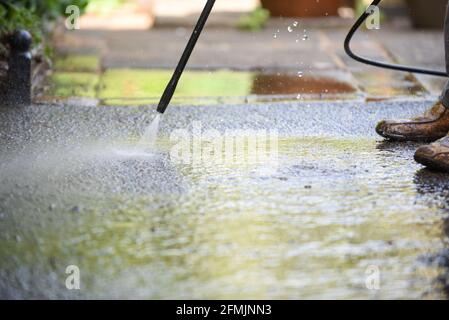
393	137
431	163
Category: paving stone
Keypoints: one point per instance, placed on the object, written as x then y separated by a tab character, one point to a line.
335	193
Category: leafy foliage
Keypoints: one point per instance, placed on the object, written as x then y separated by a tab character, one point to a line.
31	15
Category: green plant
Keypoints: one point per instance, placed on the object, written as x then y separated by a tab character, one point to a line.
255	20
31	15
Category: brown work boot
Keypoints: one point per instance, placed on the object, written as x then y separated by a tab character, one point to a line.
433	125
435	155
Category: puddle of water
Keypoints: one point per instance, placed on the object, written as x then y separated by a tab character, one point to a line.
233	233
273	84
139	87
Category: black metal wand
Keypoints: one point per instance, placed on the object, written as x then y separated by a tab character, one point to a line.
171	86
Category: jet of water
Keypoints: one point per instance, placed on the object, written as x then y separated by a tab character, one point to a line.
148	140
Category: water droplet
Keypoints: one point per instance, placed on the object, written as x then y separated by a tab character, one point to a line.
295	24
300	74
289	29
305	36
298	97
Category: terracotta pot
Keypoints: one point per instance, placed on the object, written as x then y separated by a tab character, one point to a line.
427	14
302	8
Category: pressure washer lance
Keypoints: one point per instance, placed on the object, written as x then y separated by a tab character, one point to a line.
171	86
379	64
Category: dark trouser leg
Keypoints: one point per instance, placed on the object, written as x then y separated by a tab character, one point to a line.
445	95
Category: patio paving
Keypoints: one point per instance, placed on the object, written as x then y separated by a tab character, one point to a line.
336	201
274	50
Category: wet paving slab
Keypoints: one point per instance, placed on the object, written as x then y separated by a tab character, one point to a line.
218	49
377	83
140	87
78	75
336	201
232	49
426	53
287	46
380	84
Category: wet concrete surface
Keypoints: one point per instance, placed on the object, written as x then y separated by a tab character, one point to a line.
337	201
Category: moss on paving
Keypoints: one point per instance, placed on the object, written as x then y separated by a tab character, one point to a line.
77	63
74	84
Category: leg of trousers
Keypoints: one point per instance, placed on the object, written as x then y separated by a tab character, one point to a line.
445	94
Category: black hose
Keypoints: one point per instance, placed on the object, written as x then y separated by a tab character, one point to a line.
379	64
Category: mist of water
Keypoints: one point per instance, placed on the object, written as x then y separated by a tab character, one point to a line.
149	138
146	146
